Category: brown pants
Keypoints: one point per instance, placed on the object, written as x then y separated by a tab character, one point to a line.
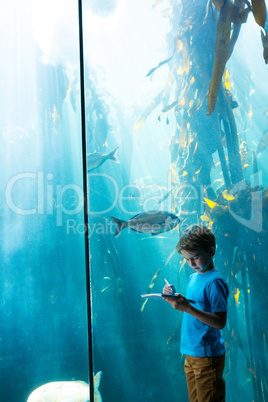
204	377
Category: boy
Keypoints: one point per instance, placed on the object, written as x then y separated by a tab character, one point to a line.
201	340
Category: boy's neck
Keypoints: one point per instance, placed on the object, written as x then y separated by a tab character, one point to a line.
210	268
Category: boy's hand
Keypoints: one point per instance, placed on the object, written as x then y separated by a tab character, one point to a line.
179	303
169	290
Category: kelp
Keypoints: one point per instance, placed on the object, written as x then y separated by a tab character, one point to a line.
229	13
264	38
221	54
260	15
192	81
259	12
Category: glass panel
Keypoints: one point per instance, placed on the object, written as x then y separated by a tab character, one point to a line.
175	158
43	283
182	148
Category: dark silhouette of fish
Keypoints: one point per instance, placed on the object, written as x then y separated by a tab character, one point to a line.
97	159
153	222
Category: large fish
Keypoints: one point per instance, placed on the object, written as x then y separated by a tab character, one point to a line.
66	391
153	222
97	159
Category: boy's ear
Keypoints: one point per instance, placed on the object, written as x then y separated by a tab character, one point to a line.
212	251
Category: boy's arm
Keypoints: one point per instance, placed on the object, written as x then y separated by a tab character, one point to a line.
216	320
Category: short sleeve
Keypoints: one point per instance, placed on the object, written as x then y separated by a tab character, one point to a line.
218	295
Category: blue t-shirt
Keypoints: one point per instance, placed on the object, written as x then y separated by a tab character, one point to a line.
210	292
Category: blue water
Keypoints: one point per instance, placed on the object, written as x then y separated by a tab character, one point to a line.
44	318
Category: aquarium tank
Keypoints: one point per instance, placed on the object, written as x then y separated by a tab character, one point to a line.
117	115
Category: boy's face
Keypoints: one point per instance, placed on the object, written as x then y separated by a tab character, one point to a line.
201	261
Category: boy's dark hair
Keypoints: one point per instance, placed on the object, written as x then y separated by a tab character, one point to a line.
196	237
